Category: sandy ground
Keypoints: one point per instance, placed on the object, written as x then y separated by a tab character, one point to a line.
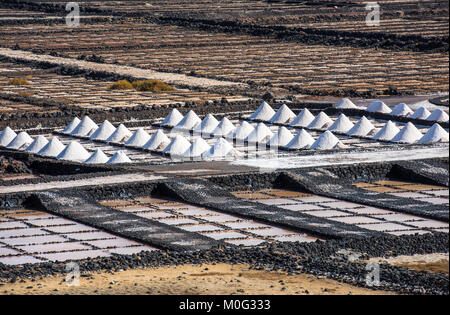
437	262
206	279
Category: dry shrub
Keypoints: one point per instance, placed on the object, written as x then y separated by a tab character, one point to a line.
152	86
18	81
121	85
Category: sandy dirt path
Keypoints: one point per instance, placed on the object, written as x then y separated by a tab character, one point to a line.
170	78
188	279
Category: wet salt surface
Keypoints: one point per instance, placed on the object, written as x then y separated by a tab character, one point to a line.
370	218
28	236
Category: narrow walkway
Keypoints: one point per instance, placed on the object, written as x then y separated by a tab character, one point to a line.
170	78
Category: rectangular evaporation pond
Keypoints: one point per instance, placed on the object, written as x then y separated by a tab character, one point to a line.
19	260
90	236
429	224
225	235
279	201
301	207
75	255
76	228
48	248
117	242
384	227
4	251
22	232
34	240
246	242
130	250
201	228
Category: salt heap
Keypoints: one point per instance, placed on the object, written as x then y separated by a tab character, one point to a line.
119	157
242	131
263	113
172	119
70	127
302	140
84	128
104	131
283	115
197	148
327	140
207	126
21	141
98	157
222	148
435	134
224	128
189	122
408	134
342	124
177	146
438	115
378	107
281	138
138	139
53	148
361	128
345	103
388	132
158	141
37	144
6	136
74	151
303	119
421	113
260	134
321	121
401	110
121	134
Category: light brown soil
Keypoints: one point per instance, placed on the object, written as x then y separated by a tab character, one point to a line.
188	279
437	263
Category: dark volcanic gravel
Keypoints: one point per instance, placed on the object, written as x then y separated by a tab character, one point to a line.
319	258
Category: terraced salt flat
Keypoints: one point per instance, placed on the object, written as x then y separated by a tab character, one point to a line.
219	226
371	218
30	236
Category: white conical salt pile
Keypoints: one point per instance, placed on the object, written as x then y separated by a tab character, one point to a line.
74	151
98	157
402	110
421	113
189	122
378	107
53	148
37	144
303	119
321	121
284	115
121	134
388	132
242	131
207	126
345	103
21	141
224	128
263	113
172	119
281	138
119	157
138	139
435	134
222	148
85	128
197	148
70	127
361	128
157	141
6	136
327	140
342	124
260	134
438	115
302	140
177	146
104	131
408	134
